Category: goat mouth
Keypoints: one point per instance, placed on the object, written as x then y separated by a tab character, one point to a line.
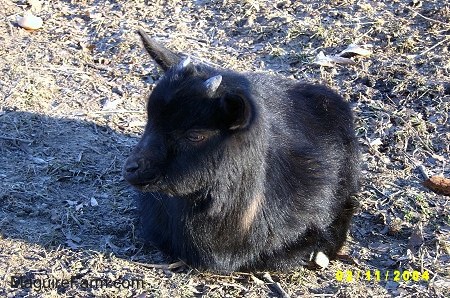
146	185
140	185
140	179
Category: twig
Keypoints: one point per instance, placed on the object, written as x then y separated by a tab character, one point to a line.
99	67
423	171
161	266
236	285
256	280
378	191
429	49
59	69
427	18
117	111
11	90
276	285
15	139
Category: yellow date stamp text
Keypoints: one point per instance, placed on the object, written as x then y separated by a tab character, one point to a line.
379	275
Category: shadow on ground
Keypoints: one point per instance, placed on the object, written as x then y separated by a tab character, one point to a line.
62	190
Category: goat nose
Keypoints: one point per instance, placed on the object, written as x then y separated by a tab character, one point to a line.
132	166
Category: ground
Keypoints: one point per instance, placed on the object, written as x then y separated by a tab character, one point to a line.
72	102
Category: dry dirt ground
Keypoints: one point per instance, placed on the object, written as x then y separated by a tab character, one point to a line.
72	101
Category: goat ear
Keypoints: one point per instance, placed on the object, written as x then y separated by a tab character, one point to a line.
237	111
162	55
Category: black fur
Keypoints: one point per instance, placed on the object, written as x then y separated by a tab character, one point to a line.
255	175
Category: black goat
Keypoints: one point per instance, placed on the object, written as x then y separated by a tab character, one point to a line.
243	171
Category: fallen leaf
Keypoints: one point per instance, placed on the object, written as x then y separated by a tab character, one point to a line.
438	184
342	60
94	202
416	239
330	61
380	247
111	105
356	50
38	160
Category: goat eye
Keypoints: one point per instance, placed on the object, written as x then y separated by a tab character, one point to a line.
195	137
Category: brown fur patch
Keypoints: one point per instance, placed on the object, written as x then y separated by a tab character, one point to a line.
249	215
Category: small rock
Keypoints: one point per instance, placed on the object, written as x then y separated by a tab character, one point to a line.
322	260
30	21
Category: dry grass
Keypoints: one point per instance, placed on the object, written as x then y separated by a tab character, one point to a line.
72	98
